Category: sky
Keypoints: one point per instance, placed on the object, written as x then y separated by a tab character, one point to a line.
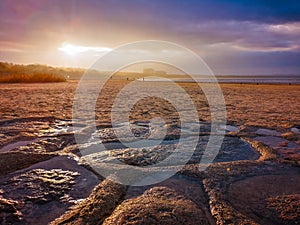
248	37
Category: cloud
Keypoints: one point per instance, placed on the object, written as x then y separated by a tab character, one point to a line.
264	11
248	30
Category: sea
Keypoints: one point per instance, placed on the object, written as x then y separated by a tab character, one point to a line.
257	79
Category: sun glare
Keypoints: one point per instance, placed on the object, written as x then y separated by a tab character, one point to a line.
71	49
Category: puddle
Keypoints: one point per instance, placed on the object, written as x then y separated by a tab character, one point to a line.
276	142
18	144
142	131
233	149
59	127
287	149
295	130
229	128
32	130
267	132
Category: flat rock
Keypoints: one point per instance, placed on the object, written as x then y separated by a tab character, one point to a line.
159	205
266	200
94	209
45	190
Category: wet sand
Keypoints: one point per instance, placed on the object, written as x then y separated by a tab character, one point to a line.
244	184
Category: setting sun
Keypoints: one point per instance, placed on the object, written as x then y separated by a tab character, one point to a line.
71	49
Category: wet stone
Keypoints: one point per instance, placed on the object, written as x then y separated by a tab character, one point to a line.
265	199
143	156
159	205
9	214
39	186
46	189
44	145
287	207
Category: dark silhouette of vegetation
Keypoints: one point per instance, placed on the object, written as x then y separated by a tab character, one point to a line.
35	78
36	73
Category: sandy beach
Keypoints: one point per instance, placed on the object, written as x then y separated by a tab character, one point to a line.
248	104
42	168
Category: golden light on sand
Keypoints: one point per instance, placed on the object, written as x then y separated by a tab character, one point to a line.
71	49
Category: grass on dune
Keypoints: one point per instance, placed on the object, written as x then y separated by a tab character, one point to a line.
31	78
